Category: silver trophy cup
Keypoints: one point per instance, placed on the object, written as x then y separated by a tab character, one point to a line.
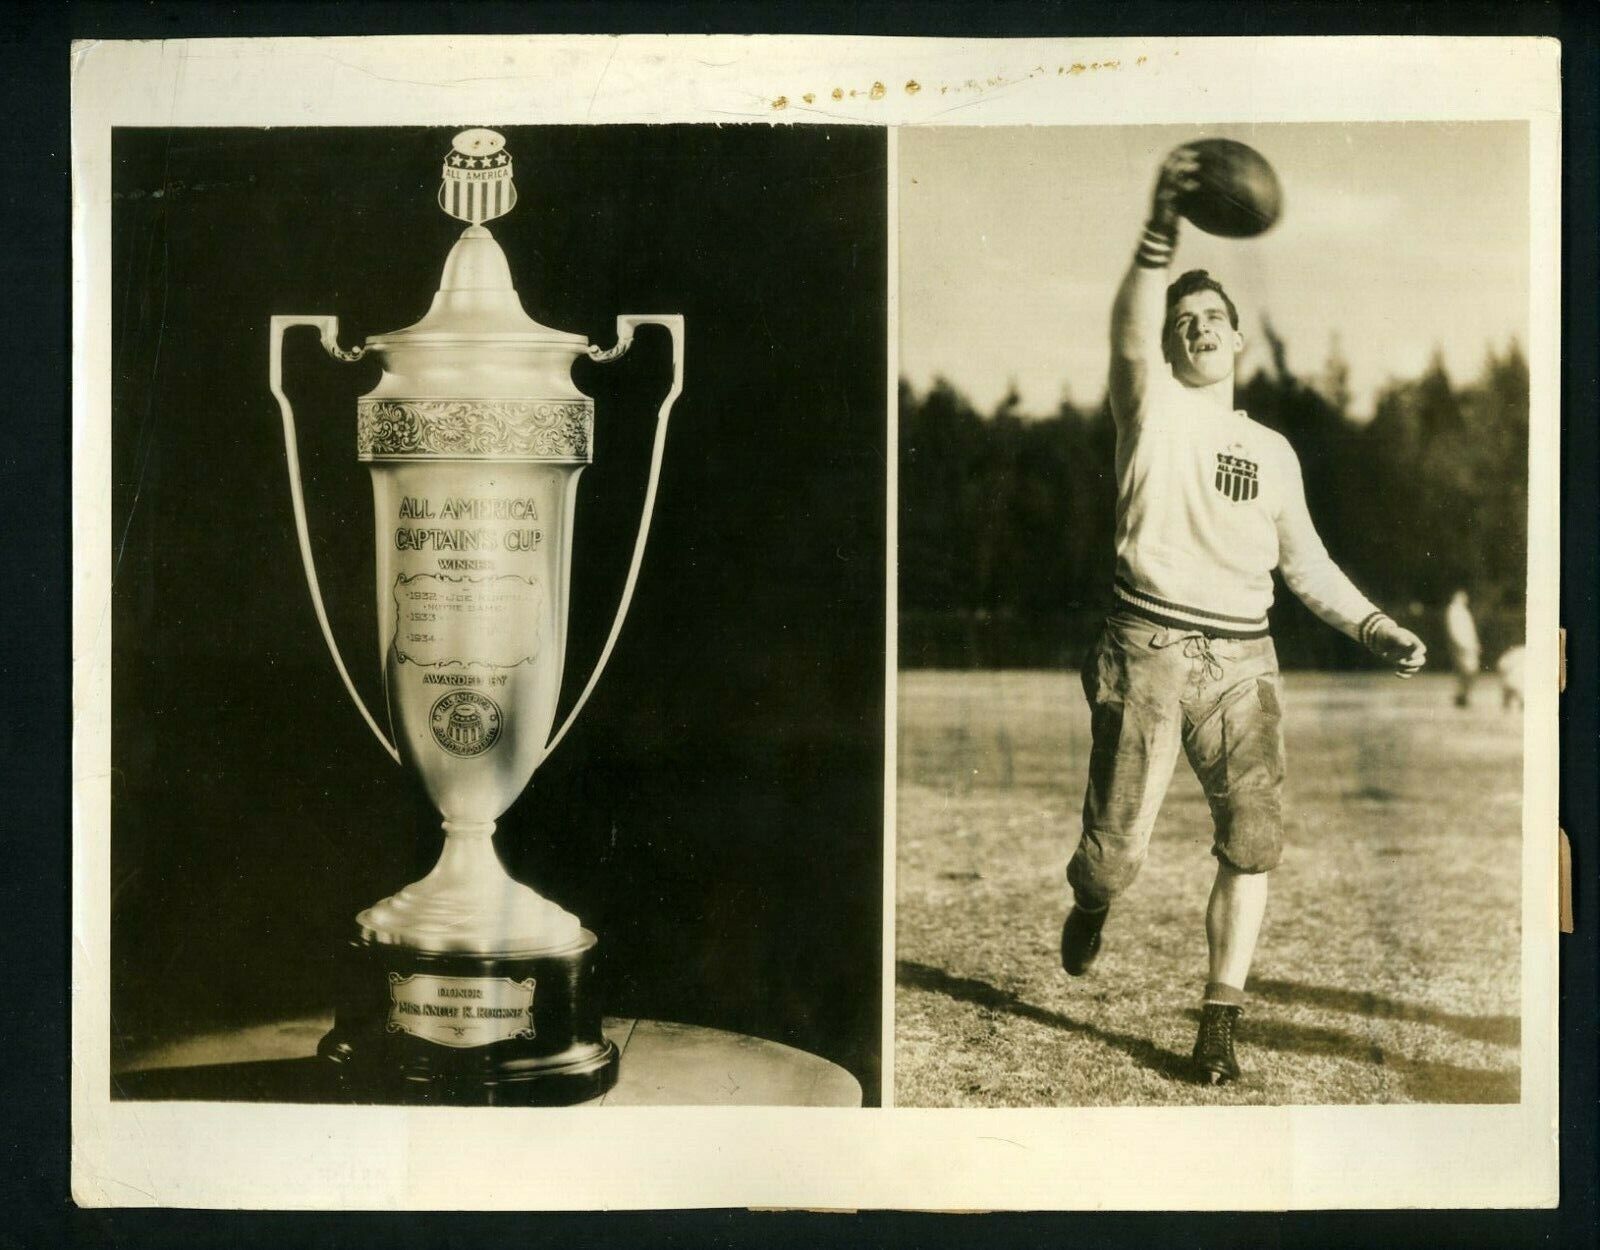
468	986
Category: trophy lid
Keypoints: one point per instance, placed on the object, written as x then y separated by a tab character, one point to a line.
476	300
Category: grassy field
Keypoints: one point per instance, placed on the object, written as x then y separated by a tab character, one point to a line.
1388	969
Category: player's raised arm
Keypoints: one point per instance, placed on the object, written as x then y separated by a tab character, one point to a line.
1323	587
1140	307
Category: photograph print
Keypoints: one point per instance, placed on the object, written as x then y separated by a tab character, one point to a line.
371	837
1213	576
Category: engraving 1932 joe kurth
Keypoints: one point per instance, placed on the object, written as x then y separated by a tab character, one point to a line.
475	437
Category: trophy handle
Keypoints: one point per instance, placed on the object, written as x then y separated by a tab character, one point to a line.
626	325
328	327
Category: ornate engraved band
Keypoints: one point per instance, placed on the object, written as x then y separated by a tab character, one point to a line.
524	429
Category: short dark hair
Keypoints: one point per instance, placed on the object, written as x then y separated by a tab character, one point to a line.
1188	284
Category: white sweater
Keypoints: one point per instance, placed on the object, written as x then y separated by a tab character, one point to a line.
1208	504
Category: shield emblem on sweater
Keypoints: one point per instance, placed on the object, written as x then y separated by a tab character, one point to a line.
1236	475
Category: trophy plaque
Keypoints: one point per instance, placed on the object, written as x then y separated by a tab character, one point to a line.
468	986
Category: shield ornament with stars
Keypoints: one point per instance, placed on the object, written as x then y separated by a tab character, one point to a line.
1237	475
477	184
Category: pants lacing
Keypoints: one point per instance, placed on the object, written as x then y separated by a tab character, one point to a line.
1204	668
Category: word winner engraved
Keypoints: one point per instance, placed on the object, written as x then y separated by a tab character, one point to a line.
442	618
460	1011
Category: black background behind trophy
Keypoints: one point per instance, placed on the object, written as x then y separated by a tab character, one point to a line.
715	815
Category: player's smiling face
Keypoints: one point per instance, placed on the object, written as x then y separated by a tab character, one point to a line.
1201	342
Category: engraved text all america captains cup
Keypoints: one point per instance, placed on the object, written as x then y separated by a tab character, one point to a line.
467	986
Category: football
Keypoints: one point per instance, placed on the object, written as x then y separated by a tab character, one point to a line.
1238	195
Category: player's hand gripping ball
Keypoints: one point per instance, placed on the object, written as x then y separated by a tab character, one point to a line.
1233	191
1397	645
1179	176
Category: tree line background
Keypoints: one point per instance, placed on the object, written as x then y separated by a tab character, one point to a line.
1007	517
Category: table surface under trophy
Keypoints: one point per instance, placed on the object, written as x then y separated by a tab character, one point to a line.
662	1065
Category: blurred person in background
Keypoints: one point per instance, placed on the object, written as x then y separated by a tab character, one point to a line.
1509	669
1465	652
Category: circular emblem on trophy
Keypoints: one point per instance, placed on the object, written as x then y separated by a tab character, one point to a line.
465	723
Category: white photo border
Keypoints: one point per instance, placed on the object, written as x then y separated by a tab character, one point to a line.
215	1155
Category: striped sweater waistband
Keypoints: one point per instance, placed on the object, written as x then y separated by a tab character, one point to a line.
1180	616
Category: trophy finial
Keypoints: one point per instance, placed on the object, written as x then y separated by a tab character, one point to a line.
477	184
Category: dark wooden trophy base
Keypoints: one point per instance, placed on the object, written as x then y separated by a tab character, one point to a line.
394	1036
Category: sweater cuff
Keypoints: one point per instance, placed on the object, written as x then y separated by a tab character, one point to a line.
1156	244
1367	630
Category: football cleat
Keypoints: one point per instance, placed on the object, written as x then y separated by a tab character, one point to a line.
1213	1048
1080	939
